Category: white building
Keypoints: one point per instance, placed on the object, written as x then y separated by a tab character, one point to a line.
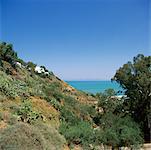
39	69
19	64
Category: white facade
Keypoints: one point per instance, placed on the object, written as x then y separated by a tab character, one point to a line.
19	64
39	69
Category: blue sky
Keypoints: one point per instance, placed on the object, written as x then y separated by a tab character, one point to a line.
77	39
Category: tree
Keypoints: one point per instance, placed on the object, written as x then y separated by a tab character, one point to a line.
1	64
135	78
118	131
7	53
2	48
108	102
117	128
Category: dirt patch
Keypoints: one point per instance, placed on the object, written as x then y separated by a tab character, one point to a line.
49	113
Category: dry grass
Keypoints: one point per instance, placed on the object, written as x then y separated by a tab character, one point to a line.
3	125
49	113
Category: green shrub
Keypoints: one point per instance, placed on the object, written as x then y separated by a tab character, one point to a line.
55	103
119	131
1	63
12	88
84	111
87	110
21	88
70	102
26	113
81	133
35	86
6	86
68	116
52	90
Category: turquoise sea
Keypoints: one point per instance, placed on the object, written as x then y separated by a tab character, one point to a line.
94	86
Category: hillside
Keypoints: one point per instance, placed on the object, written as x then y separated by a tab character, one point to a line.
39	111
34	102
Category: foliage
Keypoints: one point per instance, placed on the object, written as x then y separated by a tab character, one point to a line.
81	133
26	113
21	136
86	111
52	90
80	108
1	63
135	78
69	116
6	86
35	86
12	88
74	126
7	53
31	66
113	125
108	102
55	103
116	127
119	131
53	140
70	102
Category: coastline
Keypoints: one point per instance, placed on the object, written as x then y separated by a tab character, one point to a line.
95	86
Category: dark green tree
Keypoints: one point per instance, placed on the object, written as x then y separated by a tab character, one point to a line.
2	48
117	128
118	131
135	78
7	53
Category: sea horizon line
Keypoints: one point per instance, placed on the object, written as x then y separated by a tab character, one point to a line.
84	80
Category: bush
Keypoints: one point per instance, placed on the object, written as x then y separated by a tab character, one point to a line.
86	110
119	131
12	88
53	140
53	90
70	102
69	116
34	86
55	103
82	110
22	137
1	63
6	86
26	113
81	133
